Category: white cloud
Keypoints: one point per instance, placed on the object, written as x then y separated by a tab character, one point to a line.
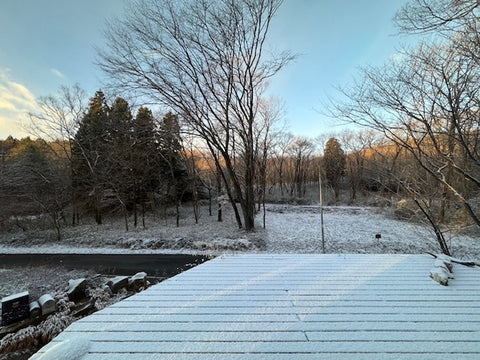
57	73
16	101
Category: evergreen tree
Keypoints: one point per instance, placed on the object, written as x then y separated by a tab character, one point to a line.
146	158
120	122
172	164
118	157
334	161
118	154
89	165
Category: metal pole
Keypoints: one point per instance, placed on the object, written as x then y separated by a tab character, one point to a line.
321	210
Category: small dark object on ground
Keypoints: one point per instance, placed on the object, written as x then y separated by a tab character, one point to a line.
15	308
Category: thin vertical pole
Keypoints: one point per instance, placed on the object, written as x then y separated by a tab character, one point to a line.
321	210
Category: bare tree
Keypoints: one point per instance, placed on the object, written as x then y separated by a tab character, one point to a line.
59	116
279	158
355	145
301	149
205	60
270	113
57	122
427	104
436	15
32	183
453	20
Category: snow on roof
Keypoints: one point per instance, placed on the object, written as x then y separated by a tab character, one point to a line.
289	306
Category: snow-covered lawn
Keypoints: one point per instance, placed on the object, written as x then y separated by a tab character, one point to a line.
297	229
290	229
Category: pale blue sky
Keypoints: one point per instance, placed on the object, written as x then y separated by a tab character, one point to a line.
48	43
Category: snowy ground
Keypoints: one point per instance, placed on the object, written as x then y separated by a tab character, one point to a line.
289	229
297	229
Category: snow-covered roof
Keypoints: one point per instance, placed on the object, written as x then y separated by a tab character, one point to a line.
289	306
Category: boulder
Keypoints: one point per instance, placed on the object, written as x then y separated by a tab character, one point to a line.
118	283
138	281
76	289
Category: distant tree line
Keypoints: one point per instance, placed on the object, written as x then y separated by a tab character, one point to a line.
132	165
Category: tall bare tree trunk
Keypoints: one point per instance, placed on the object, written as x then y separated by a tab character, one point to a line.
219	193
438	233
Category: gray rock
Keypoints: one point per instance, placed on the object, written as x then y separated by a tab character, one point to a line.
76	289
137	281
118	283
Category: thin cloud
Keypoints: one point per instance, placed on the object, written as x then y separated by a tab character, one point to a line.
6	105
57	73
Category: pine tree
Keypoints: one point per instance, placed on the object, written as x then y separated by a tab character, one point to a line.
334	161
145	160
172	165
119	159
89	163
